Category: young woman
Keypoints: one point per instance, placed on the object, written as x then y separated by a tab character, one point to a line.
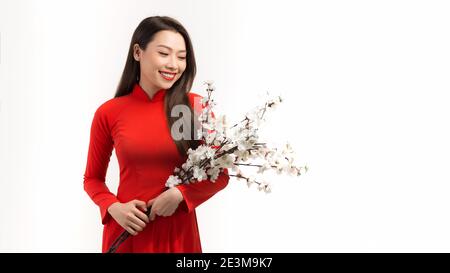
158	74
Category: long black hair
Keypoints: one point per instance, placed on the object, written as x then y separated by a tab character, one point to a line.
177	94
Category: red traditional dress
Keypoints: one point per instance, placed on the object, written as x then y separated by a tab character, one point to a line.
136	127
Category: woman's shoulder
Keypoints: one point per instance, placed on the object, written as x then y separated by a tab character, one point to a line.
111	106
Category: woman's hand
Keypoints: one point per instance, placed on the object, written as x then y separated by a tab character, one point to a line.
129	216
166	203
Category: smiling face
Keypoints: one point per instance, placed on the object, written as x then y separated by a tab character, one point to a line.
163	61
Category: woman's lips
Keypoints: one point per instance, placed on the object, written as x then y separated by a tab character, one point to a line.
167	76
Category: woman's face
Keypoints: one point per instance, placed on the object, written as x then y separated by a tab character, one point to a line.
165	53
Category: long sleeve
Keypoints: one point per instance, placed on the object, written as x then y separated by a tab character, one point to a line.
196	193
99	154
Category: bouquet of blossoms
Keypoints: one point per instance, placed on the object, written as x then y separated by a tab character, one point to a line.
230	147
226	146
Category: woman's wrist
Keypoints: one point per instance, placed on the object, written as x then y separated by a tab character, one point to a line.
112	206
178	193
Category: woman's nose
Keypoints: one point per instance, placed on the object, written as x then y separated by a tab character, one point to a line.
172	63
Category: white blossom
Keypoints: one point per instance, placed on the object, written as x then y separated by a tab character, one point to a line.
227	146
199	173
213	173
266	187
226	161
172	181
264	167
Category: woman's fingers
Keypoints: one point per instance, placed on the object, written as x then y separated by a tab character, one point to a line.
141	204
135	226
164	211
130	230
141	215
152	213
168	212
150	203
133	229
135	220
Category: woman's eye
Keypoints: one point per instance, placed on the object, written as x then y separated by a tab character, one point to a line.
165	54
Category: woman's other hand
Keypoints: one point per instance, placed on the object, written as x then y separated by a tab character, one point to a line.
166	203
129	215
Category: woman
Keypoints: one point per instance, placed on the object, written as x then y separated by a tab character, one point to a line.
158	75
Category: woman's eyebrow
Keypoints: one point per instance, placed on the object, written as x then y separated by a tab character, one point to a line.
171	48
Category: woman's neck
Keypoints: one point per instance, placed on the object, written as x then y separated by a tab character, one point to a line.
148	88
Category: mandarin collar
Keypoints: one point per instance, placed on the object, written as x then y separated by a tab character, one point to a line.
139	93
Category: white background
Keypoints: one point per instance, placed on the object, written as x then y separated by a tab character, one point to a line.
366	107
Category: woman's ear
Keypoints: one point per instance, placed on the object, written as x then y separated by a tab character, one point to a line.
136	52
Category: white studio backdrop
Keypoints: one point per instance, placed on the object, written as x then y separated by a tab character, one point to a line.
366	88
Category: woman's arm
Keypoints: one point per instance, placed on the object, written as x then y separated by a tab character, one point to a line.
196	193
99	154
